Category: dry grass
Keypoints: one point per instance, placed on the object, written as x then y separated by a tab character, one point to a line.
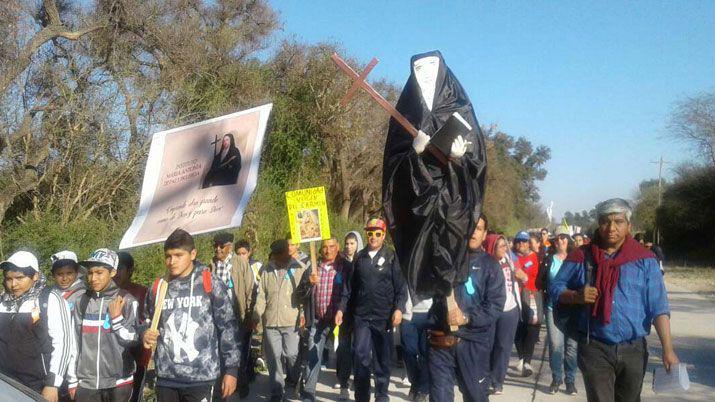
695	279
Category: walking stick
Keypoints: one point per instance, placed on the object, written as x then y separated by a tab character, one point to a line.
161	294
589	274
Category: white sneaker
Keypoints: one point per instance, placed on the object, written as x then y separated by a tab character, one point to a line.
520	365
344	394
336	386
527	370
406	382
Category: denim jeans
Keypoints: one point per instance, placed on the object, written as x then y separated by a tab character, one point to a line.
416	350
562	351
319	334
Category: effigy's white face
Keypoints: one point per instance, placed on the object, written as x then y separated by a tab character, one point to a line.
426	70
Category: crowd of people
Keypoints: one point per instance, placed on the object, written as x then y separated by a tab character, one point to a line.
88	336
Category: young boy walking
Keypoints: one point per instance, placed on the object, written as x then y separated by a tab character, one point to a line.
71	286
65	272
196	341
36	337
106	318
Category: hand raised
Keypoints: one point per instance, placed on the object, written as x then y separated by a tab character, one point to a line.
116	306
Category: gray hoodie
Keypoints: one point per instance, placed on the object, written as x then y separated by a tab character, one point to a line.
360	245
198	330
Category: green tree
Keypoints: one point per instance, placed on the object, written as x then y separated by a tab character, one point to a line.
646	204
687	215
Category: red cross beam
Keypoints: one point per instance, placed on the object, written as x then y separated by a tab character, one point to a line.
360	82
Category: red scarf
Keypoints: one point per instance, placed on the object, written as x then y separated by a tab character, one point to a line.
608	271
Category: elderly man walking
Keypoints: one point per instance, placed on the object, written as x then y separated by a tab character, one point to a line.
320	290
618	285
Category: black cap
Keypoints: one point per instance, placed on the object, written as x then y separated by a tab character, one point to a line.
223	238
125	260
279	247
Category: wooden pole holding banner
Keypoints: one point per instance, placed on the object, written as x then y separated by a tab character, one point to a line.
160	296
452	305
313	260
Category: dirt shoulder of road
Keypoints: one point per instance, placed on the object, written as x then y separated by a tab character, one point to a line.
700	280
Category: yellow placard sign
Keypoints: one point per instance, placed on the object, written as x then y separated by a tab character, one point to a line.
308	215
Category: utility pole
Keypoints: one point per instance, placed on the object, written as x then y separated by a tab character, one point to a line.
660	163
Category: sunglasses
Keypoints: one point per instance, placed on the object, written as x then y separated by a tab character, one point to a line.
375	233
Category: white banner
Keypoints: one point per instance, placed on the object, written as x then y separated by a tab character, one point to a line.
199	177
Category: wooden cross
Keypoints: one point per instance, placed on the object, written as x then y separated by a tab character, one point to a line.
215	141
360	82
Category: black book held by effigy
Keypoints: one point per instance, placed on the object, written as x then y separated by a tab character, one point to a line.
452	128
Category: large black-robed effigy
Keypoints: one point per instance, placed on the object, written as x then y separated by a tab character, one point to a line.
432	203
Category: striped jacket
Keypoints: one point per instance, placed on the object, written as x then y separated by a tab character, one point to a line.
105	342
36	340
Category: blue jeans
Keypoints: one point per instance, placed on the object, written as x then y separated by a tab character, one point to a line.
558	344
316	343
416	349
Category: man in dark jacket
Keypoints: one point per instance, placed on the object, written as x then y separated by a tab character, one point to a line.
377	294
464	355
321	293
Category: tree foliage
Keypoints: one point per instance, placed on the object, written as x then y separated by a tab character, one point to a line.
83	85
693	122
646	205
513	169
687	216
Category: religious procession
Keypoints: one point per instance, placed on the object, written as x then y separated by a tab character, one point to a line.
211	270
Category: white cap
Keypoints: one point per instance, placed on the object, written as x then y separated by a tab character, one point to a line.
64	255
102	256
21	259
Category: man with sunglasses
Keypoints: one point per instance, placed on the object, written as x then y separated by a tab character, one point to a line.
376	293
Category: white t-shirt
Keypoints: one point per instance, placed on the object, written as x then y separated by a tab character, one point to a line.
372	254
508	284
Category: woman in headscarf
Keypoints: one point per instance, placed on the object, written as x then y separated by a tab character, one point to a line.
225	166
505	326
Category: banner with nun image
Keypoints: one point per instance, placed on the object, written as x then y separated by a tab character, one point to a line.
199	177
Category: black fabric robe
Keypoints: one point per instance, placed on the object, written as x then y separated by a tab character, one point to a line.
224	171
432	209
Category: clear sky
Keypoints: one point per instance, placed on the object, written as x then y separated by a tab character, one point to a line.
595	81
